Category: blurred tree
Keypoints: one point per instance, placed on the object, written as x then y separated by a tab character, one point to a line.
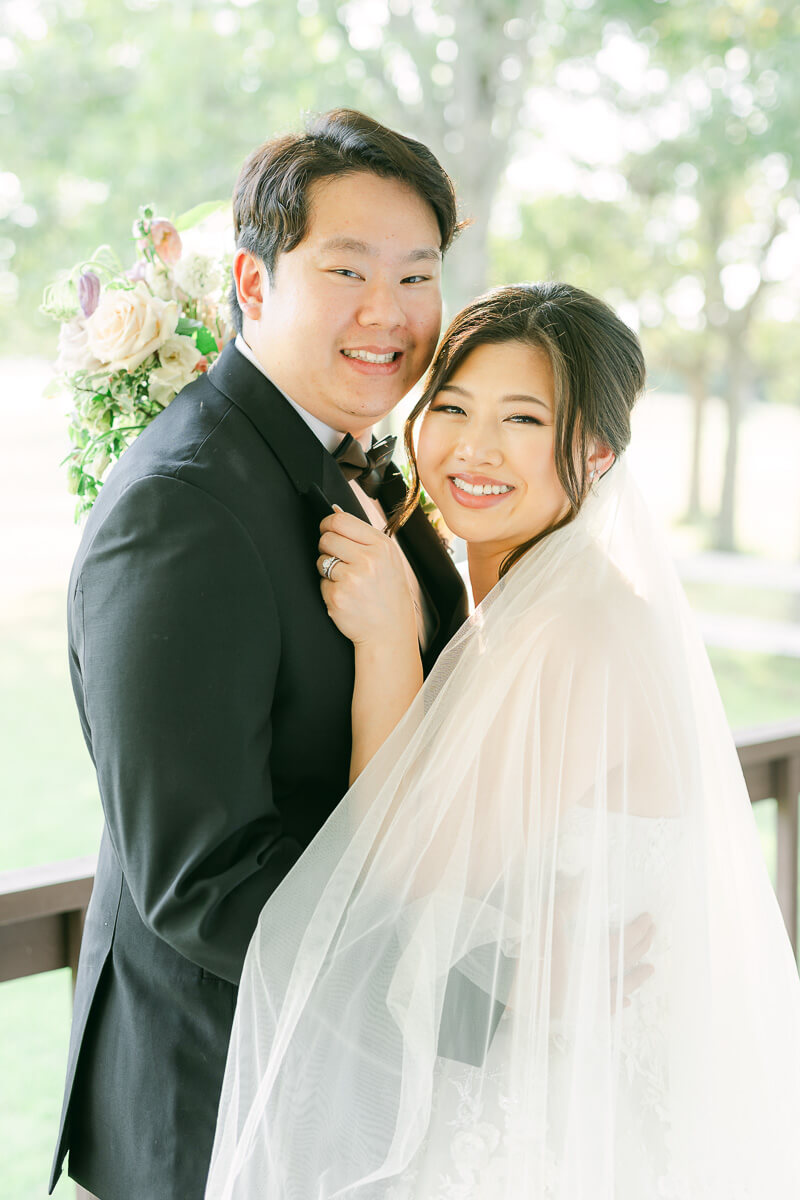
109	105
160	101
455	75
720	138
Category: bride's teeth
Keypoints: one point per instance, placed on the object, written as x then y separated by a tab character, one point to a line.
481	489
366	356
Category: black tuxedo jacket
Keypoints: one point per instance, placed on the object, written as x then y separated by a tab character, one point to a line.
214	694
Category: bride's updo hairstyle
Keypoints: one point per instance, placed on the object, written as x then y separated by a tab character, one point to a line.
598	372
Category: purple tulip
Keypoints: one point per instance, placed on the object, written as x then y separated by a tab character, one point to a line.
88	292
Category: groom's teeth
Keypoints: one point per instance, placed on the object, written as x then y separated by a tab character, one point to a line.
481	489
365	356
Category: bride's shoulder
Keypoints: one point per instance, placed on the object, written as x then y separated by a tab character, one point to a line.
593	609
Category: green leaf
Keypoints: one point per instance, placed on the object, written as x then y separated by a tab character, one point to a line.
199	213
203	337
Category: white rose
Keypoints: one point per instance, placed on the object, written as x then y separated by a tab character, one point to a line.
178	358
129	325
73	351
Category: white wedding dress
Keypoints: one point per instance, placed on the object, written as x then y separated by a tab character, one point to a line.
431	1005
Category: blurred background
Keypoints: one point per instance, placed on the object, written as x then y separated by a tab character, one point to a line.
646	151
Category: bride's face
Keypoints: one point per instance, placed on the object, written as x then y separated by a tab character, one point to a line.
491	427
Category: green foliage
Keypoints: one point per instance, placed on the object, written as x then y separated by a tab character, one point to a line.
203	338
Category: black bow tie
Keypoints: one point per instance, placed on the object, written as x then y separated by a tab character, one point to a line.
367	467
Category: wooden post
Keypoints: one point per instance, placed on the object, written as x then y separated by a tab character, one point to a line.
787	789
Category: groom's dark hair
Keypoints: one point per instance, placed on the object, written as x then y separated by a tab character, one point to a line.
270	200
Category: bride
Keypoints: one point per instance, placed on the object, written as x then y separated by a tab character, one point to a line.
534	953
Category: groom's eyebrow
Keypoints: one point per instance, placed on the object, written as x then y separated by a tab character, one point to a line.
356	246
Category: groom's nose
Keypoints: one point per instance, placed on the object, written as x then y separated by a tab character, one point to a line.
380	305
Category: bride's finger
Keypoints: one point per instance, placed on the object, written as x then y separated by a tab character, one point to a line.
637	946
343	547
335	572
351	527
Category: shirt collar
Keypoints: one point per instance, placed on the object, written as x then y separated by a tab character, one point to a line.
329	437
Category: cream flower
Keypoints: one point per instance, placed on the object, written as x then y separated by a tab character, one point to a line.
129	325
159	281
198	275
179	359
73	350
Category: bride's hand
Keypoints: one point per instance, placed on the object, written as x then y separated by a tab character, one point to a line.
367	594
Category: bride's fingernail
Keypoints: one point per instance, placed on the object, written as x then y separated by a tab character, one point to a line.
337	508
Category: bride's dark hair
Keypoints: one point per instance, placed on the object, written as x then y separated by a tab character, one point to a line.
598	372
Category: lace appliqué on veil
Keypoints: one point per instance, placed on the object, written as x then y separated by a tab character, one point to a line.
478	1122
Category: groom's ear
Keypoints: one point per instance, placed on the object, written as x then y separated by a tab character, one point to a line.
248	274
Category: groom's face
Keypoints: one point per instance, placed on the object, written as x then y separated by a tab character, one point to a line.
351	319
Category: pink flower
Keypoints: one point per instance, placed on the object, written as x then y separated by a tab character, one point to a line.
166	240
88	292
202	365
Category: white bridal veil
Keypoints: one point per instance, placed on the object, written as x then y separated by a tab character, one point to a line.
432	1003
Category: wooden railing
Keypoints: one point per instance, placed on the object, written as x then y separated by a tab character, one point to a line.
42	909
770	758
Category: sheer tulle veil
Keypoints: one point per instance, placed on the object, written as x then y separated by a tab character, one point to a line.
457	926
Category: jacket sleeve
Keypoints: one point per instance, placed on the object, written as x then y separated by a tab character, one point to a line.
181	644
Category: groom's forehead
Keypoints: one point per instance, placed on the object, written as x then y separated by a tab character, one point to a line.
360	212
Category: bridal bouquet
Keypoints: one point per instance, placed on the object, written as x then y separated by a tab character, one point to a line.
132	337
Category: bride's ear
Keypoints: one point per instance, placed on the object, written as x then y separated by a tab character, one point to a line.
601	457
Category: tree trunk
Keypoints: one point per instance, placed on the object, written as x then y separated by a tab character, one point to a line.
466	272
738	375
698	392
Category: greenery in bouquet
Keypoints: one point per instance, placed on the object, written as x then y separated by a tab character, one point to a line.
132	337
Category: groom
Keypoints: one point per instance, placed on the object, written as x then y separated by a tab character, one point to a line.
213	690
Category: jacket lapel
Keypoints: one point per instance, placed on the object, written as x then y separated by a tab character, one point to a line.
317	477
312	471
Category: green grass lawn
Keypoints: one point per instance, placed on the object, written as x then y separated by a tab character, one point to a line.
52	813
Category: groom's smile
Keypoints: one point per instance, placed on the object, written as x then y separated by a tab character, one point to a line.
370	360
349	321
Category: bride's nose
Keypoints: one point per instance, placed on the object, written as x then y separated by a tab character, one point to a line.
476	451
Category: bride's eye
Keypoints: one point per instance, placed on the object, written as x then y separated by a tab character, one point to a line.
524	419
451	408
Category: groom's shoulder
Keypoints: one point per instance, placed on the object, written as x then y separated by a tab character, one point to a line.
200	459
200	419
202	438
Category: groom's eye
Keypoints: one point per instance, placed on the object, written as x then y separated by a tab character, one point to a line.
345	271
416	279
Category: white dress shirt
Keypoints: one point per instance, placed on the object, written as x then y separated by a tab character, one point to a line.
330	439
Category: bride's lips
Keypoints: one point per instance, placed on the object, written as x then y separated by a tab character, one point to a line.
369	368
467	500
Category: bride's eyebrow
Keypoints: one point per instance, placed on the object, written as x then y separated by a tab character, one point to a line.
513	398
524	398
